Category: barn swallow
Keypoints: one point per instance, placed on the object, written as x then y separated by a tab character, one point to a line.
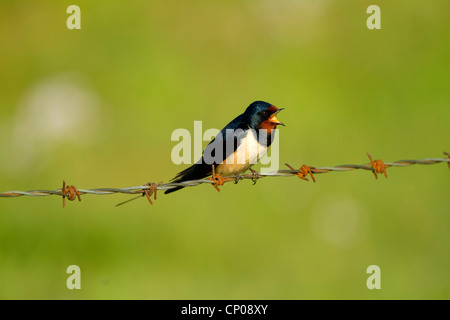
238	146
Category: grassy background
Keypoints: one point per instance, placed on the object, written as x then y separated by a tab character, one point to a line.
97	106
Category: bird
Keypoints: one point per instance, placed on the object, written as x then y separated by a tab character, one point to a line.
237	147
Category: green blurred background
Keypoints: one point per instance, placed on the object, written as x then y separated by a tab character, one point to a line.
97	106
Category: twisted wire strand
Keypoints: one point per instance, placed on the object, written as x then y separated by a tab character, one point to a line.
71	192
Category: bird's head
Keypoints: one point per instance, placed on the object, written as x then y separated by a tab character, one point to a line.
262	115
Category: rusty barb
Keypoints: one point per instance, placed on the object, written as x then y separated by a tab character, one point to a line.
71	192
378	166
303	171
150	189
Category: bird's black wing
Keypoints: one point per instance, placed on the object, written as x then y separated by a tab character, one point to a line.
225	143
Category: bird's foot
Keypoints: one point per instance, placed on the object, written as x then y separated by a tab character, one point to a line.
255	176
237	177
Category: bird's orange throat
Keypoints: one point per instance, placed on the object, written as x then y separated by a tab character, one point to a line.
268	125
272	122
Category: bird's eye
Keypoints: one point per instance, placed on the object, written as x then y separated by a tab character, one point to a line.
265	113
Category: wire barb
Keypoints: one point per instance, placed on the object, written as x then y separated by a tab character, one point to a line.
71	192
219	180
378	166
152	188
303	172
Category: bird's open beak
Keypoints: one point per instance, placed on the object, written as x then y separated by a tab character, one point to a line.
273	118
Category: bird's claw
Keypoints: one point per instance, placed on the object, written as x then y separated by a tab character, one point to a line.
255	176
237	177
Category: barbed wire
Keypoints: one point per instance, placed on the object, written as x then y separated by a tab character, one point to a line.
375	166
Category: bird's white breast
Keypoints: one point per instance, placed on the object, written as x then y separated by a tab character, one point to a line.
248	153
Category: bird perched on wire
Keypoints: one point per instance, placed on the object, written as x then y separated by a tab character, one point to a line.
237	147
